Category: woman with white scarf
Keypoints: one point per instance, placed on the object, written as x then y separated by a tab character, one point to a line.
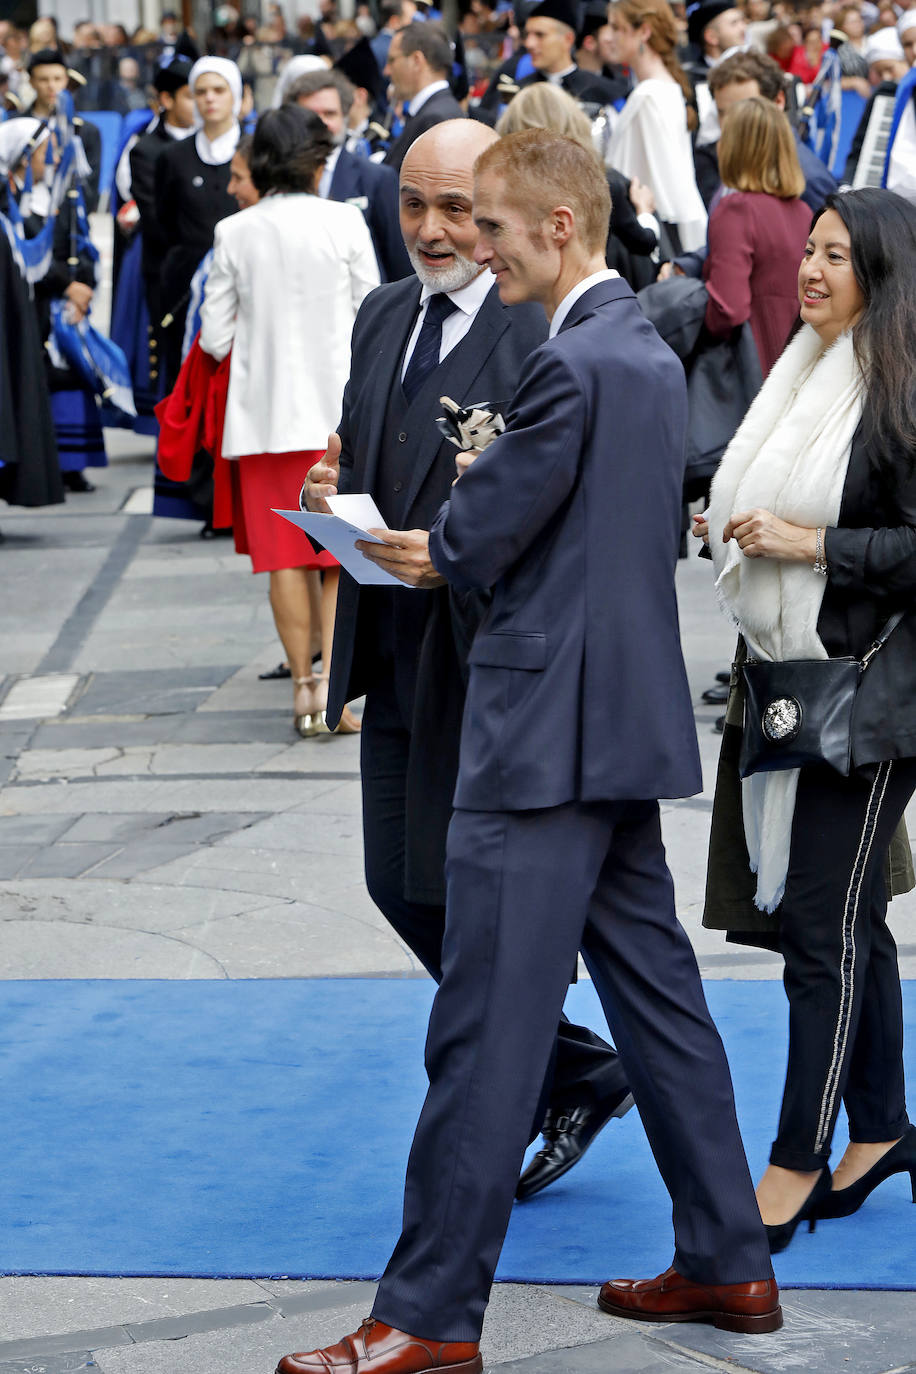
192	193
812	530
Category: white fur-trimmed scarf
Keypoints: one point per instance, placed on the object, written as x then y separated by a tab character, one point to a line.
789	457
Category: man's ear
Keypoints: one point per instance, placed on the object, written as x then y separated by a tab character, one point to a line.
562	225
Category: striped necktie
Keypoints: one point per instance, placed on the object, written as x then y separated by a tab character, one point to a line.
425	355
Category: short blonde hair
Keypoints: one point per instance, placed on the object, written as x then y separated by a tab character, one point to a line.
542	170
543	106
757	150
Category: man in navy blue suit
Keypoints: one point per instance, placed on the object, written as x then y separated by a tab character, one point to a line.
578	717
353	179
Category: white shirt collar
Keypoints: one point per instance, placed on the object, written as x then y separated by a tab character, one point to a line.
176	132
221	149
327	175
467	298
421	97
569	300
557	78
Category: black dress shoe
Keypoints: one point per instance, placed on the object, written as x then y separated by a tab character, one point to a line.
281	670
724	677
75	481
567	1135
716	696
719	726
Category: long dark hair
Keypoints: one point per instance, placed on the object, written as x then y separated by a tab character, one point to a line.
882	237
289	146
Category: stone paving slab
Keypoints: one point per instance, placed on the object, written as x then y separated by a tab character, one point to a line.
138	905
141	857
150	691
305	942
62	949
247	793
64	861
13	860
75	731
521	1322
54	1364
190	827
33	1308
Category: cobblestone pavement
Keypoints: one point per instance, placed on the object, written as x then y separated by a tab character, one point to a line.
159	819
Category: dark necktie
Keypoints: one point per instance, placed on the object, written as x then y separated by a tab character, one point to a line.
425	355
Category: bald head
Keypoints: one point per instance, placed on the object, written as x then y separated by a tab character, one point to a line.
456	143
437	188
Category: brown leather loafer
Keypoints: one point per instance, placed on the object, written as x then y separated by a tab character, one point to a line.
747	1307
379	1349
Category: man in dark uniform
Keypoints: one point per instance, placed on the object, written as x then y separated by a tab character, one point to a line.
50	76
176	122
551	31
398	647
419	66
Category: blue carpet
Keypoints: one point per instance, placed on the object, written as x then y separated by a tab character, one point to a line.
248	1128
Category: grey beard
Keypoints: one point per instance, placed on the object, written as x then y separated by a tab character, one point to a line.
463	271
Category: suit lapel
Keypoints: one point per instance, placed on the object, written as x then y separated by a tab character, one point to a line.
343	182
456	376
389	351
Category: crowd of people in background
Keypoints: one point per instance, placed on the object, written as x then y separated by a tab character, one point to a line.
718	128
303	225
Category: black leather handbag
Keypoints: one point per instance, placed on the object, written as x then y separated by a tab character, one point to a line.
800	710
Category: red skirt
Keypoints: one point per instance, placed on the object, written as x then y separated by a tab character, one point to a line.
262	483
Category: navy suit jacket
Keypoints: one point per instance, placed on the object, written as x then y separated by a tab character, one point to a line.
577	687
435	110
374	190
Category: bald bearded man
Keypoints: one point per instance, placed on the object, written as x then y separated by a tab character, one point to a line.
443	332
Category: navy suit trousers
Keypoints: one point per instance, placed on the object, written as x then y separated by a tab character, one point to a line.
526	890
583	1069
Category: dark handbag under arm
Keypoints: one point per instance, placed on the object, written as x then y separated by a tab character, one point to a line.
799	711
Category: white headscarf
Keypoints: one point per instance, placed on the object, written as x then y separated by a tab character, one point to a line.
220	150
15	137
906	22
295	67
219	66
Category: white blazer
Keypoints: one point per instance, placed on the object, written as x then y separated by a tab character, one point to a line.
287	279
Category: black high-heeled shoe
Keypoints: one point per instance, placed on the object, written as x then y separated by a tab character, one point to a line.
900	1159
779	1236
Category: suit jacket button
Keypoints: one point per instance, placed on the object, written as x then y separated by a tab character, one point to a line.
402	437
398	486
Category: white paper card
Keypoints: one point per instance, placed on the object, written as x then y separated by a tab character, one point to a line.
358	508
339	537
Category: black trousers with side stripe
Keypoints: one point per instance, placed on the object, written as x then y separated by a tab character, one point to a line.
841	974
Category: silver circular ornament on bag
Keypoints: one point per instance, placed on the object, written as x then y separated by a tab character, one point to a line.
782	720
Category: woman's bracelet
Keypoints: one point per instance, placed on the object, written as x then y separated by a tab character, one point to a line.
820	562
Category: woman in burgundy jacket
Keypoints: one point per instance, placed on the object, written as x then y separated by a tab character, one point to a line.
758	229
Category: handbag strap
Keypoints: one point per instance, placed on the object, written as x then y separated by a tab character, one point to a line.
882	637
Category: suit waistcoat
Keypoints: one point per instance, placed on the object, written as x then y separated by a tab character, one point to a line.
407	425
402	615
